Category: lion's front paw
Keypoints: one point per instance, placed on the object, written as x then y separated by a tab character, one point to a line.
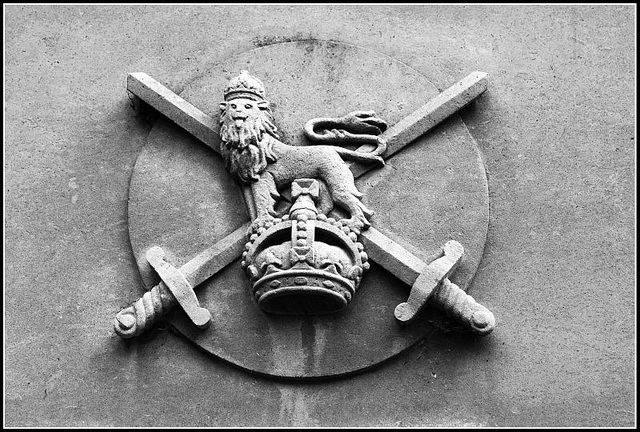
356	225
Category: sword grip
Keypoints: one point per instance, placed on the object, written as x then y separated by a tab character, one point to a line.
145	312
457	304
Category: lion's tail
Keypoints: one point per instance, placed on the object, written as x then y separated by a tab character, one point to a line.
372	156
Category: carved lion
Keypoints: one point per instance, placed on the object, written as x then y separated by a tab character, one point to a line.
254	154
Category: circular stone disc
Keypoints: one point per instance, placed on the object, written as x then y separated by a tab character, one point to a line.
182	199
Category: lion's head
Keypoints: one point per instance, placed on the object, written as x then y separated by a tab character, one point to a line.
245	123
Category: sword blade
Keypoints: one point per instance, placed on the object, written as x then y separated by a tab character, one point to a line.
215	258
182	113
403	133
426	117
176	109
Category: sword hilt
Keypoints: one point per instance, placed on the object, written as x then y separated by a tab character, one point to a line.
145	312
173	290
457	304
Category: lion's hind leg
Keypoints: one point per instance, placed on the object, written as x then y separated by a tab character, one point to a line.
360	215
358	212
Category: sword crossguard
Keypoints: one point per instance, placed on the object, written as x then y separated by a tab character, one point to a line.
179	287
433	286
430	278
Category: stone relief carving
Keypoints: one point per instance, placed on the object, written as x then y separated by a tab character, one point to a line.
319	265
297	259
304	262
255	156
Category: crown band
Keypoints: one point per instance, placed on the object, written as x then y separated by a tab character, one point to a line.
246	94
244	86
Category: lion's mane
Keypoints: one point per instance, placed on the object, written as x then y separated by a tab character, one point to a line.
247	148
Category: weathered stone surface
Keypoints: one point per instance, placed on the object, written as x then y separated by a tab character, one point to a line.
557	133
247	122
235	314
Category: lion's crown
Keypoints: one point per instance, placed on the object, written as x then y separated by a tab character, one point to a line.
245	86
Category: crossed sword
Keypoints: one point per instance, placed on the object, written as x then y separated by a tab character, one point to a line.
429	281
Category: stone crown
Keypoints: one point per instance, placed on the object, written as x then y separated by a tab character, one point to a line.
245	86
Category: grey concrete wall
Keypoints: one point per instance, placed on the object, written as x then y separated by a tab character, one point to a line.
557	132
